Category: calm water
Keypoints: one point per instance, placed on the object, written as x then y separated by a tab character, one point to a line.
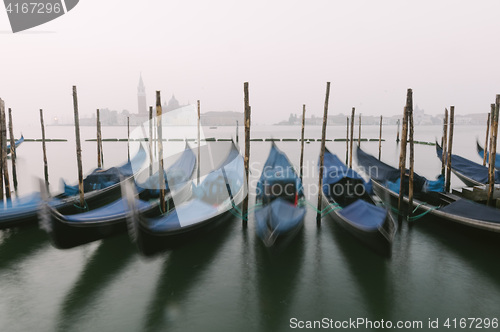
228	281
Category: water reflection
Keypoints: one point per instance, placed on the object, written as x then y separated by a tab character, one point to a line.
277	280
183	268
474	248
110	258
20	243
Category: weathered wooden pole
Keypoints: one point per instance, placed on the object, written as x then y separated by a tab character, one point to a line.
198	161
493	152
13	151
402	163
359	139
486	149
150	139
3	134
444	143
410	184
2	156
450	147
248	111
397	134
128	138
98	134
380	140
352	138
347	142
78	147
160	151
45	164
302	141
490	144
322	153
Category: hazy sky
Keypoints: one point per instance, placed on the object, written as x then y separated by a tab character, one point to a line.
371	51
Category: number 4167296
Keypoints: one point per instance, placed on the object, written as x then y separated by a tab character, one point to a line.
34	8
471	323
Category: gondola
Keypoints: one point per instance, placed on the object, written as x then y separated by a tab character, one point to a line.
469	172
70	230
480	151
101	188
280	198
349	200
214	201
17	143
430	202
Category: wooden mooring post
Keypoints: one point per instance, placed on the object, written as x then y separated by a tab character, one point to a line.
410	184
359	137
493	151
13	151
44	150
402	164
322	154
352	137
78	147
99	139
160	151
302	140
128	138
3	134
486	148
450	149
397	133
380	139
347	142
237	132
1	155
150	139
444	143
248	111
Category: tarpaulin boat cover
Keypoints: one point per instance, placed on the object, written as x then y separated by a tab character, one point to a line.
100	179
470	169
381	172
364	214
335	170
473	210
278	169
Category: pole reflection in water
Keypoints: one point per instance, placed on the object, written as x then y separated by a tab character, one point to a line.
278	274
101	269
20	243
182	270
368	269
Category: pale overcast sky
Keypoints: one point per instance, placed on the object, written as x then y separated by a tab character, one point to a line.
371	51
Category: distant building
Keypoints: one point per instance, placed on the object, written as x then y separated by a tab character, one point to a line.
142	109
221	118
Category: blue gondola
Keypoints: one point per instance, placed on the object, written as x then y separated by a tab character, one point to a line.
471	173
281	195
430	202
480	151
70	230
18	142
214	201
348	198
22	211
